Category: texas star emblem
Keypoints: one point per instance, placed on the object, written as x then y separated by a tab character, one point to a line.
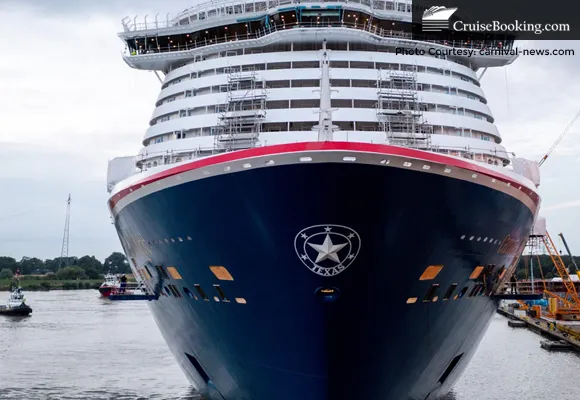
327	250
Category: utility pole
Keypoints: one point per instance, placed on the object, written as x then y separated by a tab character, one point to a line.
64	249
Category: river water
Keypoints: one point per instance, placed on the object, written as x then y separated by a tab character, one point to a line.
79	346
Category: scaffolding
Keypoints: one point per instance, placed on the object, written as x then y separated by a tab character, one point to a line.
241	118
398	110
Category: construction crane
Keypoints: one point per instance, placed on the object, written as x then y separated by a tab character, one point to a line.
569	253
572	301
559	139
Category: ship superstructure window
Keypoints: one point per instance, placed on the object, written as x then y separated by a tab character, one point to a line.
162	271
174	291
450	291
188	293
474	290
221	293
463	291
278	84
334	82
149	275
201	292
431	293
482	290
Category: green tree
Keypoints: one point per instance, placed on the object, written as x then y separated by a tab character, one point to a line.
27	265
51	265
91	262
8	262
92	273
543	265
117	263
71	273
6	273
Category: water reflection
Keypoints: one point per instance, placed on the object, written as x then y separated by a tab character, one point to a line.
76	345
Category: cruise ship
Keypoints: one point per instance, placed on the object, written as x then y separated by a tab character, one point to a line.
320	216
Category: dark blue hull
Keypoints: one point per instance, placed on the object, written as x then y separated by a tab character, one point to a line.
303	329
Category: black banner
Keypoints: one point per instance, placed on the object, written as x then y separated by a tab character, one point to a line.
495	20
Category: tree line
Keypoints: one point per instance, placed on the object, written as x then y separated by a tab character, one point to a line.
86	267
543	265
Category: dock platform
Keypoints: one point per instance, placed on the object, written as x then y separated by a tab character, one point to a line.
523	297
545	328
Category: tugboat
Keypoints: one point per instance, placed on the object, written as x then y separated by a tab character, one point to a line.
16	304
111	282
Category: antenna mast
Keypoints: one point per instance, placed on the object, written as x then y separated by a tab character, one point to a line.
64	250
325	127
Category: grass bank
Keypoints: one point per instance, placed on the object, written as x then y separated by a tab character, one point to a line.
52	284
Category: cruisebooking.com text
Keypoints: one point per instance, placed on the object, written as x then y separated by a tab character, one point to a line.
483	52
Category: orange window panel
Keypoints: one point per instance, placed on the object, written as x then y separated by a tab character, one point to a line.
173	272
221	273
502	273
411	300
431	272
476	272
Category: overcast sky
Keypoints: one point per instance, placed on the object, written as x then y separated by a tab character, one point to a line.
68	104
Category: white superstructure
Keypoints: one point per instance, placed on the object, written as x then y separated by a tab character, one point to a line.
248	73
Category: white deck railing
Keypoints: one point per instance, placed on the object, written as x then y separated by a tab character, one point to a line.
366	27
187	154
218	9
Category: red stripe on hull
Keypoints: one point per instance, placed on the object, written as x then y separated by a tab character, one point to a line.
317	146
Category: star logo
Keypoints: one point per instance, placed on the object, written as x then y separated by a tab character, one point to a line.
327	250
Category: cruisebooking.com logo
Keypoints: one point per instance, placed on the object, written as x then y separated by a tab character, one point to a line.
437	19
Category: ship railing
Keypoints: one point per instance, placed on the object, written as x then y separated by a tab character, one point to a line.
366	27
475	151
489	156
167	157
521	288
132	288
209	10
525	286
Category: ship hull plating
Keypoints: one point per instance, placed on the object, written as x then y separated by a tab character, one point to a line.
294	326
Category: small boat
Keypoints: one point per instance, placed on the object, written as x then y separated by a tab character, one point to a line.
16	304
555	345
111	283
